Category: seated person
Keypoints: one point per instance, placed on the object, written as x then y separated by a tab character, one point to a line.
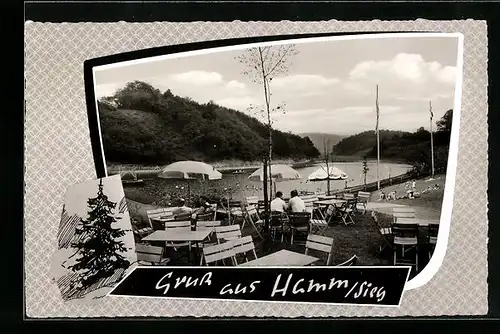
391	196
278	204
381	195
296	204
182	209
204	206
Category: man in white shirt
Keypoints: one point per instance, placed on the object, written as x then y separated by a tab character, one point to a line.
182	209
278	204
296	204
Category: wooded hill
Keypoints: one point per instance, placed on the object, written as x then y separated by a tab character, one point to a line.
413	148
142	125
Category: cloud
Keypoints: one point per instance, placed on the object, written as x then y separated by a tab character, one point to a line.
303	84
235	85
204	86
199	78
353	119
405	77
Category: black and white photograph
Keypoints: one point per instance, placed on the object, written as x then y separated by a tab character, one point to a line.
326	151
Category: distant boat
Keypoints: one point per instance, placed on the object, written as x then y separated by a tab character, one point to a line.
130	178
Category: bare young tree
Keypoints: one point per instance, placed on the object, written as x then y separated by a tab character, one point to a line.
261	65
326	157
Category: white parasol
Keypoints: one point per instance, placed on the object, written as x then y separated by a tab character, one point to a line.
334	173
280	173
190	170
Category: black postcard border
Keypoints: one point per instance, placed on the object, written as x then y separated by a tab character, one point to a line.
298	11
92	112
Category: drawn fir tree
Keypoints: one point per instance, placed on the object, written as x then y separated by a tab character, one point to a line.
99	247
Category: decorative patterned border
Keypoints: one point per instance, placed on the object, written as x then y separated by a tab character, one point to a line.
58	154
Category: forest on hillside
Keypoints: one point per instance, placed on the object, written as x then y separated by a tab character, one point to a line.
142	125
409	147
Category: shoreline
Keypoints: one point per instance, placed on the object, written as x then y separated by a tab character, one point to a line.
229	166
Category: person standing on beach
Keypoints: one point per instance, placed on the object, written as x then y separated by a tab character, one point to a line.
278	204
296	204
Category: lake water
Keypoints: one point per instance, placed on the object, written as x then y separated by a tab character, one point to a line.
352	169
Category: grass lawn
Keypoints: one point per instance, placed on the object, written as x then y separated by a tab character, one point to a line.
362	239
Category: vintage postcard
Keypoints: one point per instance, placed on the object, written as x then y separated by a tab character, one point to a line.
325	173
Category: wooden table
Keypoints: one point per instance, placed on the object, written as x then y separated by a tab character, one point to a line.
162	220
180	235
326	198
334	201
282	258
419	222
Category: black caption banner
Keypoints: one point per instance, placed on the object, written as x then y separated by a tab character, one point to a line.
342	285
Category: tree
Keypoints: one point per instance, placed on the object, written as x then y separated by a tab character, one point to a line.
138	95
326	157
98	244
365	170
444	124
261	65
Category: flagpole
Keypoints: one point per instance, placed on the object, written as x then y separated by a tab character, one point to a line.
432	140
378	144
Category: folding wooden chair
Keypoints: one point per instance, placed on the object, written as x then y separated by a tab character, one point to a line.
385	233
251	215
243	246
178	225
152	255
156	214
277	224
227	233
405	236
309	203
320	243
319	226
363	198
299	223
432	235
351	262
182	217
209	216
348	196
261	208
233	209
140	232
252	200
402	212
212	224
347	211
220	252
236	208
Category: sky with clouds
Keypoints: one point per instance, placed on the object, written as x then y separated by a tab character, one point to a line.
329	87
